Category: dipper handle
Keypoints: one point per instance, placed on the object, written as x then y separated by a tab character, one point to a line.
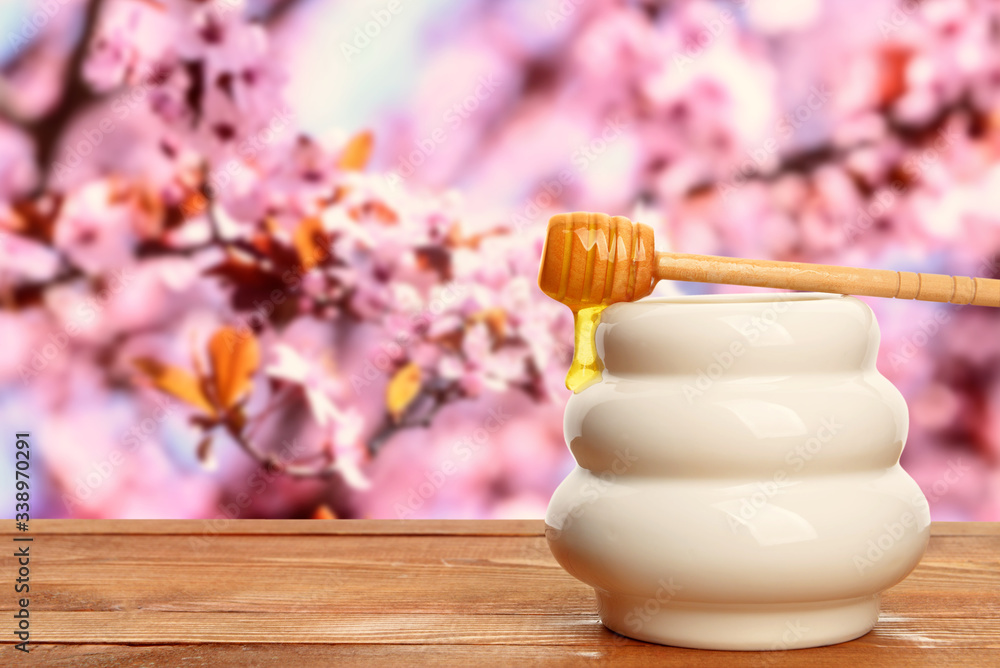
828	278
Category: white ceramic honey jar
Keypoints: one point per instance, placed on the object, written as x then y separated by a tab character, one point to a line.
738	482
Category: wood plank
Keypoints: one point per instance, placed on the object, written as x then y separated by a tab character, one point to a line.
367	574
215	527
630	656
527	527
418	574
440	593
959	548
428	629
386	546
965	528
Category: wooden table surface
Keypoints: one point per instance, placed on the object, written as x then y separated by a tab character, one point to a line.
123	593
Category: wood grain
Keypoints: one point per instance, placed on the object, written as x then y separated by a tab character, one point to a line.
641	656
828	278
366	527
405	593
289	527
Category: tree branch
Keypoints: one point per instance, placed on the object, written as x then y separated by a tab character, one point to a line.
277	12
804	162
421	414
76	95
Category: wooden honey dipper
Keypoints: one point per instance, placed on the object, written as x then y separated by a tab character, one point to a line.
592	260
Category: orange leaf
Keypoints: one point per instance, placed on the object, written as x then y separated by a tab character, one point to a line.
402	390
176	382
357	152
495	319
36	219
324	512
311	242
193	204
234	359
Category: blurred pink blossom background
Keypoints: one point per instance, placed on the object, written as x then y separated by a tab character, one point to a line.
277	258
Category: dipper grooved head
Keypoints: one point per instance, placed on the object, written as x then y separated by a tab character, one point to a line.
592	259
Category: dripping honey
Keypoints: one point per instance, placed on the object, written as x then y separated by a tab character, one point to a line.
586	367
